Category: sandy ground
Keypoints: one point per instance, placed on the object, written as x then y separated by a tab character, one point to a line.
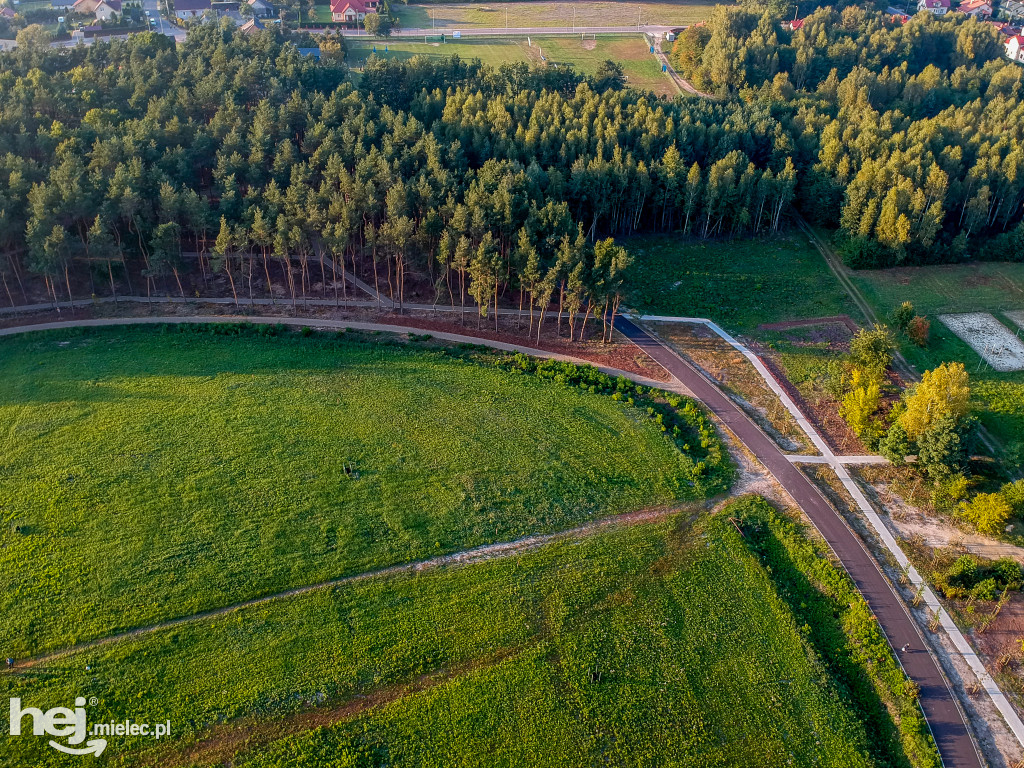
996	343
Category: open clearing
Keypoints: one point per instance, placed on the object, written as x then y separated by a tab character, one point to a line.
989	338
737	283
641	68
949	288
148	475
551	14
653	644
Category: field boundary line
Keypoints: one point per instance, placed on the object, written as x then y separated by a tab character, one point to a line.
479	554
969	655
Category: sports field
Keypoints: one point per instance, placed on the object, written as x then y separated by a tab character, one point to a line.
737	283
676	642
147	476
551	14
641	67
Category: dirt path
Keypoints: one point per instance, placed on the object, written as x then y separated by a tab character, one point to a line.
479	554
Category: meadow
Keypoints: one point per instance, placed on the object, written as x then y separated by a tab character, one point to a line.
665	642
148	475
737	283
596	13
641	68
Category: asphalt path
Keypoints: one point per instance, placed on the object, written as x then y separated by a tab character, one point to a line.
952	738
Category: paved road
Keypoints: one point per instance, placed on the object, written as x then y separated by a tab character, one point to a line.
951	736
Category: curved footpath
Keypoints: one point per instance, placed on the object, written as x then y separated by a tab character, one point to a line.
940	707
952	737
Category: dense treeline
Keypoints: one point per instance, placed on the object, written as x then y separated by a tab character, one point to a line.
470	183
907	136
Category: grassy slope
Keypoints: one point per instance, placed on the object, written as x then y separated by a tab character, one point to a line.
983	287
158	475
644	646
641	67
738	283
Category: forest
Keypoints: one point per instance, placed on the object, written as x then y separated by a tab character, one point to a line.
126	164
907	136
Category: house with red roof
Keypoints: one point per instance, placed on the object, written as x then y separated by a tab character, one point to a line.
352	11
1015	48
934	7
979	9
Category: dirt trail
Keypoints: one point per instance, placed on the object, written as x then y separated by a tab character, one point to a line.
464	557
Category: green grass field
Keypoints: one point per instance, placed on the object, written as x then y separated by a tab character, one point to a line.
641	67
148	475
551	14
955	288
737	283
664	643
981	287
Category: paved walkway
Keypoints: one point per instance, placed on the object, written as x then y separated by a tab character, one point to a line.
952	737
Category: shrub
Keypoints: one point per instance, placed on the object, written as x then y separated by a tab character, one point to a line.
861	403
895	445
1014	495
941	450
942	391
985	589
1007	573
871	350
918	330
988	512
901	316
949	493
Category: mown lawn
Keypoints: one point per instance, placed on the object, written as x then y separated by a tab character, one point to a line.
737	283
641	68
598	13
659	644
147	475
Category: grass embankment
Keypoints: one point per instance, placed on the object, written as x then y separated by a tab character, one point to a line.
957	288
661	643
147	475
737	283
642	69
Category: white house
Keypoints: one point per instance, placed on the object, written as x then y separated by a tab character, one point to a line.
190	9
979	9
107	9
934	7
1015	48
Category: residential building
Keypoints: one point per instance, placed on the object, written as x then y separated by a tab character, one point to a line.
352	11
979	9
1015	48
1013	9
190	9
251	27
934	7
107	9
6	12
261	9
